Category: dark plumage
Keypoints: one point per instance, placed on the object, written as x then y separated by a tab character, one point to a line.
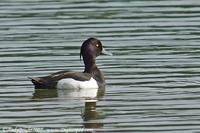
90	49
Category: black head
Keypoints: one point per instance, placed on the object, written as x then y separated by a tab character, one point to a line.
91	48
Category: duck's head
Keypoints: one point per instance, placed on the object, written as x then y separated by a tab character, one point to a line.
91	48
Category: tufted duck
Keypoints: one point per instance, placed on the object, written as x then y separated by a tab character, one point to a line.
91	78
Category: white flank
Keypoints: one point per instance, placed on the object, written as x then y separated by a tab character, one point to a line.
79	88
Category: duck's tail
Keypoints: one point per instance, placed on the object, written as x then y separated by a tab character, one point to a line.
38	82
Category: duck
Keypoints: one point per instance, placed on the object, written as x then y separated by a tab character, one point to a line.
90	78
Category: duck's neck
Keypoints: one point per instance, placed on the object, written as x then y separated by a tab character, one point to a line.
90	65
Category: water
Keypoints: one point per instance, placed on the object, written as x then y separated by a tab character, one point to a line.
153	77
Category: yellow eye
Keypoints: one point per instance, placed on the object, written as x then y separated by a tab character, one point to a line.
97	45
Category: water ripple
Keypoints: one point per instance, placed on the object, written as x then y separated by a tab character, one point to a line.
152	77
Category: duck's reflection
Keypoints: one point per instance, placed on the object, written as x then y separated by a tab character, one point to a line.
44	93
90	114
